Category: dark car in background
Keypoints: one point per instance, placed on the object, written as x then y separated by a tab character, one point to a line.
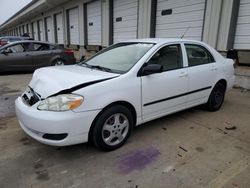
8	39
30	55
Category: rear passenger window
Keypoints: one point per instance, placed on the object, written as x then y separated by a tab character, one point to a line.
170	57
198	55
41	47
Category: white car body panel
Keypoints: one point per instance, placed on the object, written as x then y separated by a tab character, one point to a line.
151	96
55	79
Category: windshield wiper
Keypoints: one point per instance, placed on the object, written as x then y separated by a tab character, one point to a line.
97	67
101	68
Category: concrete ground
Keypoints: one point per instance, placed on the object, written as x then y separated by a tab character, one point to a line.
190	149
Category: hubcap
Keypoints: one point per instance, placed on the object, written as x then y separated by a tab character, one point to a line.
59	63
115	129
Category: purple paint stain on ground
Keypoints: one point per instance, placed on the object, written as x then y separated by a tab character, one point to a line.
137	160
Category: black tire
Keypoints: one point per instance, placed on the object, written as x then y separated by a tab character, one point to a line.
216	97
58	62
100	134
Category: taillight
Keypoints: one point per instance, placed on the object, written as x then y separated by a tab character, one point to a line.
68	51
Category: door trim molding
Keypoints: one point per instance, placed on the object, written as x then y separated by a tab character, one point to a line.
177	96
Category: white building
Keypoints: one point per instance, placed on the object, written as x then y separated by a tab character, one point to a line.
90	24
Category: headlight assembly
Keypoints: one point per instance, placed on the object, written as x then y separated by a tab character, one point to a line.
60	103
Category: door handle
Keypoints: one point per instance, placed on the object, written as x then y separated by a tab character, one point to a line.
213	69
183	75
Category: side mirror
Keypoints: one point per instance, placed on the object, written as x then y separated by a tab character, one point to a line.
151	69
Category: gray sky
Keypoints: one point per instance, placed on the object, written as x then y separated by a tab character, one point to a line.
10	7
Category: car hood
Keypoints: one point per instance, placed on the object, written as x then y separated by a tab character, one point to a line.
52	80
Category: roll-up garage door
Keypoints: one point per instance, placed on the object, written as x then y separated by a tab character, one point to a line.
242	34
59	28
20	30
41	30
35	31
23	29
73	18
27	28
94	23
174	18
125	20
48	27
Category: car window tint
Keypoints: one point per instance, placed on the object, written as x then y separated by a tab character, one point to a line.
52	47
198	55
170	57
16	48
27	46
41	47
37	46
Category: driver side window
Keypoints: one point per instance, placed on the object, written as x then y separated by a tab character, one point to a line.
170	57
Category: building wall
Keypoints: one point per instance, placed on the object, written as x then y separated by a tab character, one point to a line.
219	25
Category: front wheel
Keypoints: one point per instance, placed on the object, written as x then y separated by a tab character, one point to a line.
216	97
112	128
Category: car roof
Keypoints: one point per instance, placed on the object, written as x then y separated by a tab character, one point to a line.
163	40
29	41
25	41
11	37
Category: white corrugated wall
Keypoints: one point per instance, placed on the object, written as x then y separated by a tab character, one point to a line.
242	34
125	20
173	18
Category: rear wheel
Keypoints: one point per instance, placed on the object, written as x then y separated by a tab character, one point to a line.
58	62
112	128
216	97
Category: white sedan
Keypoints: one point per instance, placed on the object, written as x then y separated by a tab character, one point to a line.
125	85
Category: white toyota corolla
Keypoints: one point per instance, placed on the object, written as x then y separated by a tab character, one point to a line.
123	86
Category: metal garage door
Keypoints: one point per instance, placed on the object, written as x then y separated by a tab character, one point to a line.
125	20
73	19
59	28
242	34
94	23
23	29
41	30
35	31
20	30
173	18
48	29
27	28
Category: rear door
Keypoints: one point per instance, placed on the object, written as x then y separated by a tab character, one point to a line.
202	70
41	54
17	59
165	92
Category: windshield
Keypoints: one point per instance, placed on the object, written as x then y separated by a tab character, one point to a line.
118	58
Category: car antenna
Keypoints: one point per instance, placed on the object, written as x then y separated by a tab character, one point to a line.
185	32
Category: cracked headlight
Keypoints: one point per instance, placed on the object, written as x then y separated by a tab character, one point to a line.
60	103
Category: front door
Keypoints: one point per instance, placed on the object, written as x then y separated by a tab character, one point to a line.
17	58
164	93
